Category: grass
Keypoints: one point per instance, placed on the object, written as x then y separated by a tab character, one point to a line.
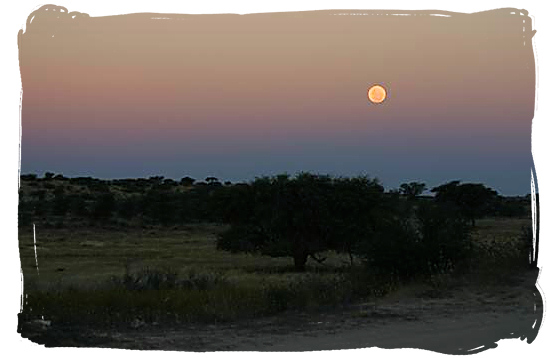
499	229
117	276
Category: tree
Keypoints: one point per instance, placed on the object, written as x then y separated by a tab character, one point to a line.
287	218
512	207
156	180
48	175
187	181
412	190
431	240
159	204
356	207
213	181
169	182
473	200
29	177
299	217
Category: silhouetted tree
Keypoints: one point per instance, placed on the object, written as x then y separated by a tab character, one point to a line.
356	206
473	200
412	190
187	181
299	217
212	181
512	207
159	204
156	180
29	177
432	240
169	182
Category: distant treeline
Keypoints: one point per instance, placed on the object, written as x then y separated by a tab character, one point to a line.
57	200
300	216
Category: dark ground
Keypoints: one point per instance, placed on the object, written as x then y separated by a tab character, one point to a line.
454	321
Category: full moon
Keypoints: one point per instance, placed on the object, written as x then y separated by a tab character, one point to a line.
377	94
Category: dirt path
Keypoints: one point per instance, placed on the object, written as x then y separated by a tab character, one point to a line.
462	320
443	334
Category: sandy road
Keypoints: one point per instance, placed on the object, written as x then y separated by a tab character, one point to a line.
461	321
447	326
442	335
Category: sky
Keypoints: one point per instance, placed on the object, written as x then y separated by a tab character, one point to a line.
240	96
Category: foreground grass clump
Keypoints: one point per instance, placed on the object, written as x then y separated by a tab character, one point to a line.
153	295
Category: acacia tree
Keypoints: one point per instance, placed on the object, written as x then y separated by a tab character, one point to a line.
212	180
473	200
285	218
187	181
412	190
357	207
297	217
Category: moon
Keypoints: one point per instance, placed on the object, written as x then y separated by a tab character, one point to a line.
377	94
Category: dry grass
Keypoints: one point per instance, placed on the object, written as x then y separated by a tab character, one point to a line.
81	271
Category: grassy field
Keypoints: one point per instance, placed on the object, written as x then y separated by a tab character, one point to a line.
120	275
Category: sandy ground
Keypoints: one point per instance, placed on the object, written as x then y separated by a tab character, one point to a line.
459	321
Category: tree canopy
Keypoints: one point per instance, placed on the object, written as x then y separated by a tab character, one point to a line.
300	216
412	190
473	200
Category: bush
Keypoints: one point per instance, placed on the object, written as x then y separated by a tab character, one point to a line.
433	241
148	279
202	281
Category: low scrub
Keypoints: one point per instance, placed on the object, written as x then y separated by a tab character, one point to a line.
155	295
433	241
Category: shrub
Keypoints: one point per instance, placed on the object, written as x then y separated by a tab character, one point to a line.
202	281
148	279
433	241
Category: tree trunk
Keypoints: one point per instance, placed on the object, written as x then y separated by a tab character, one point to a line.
350	258
300	258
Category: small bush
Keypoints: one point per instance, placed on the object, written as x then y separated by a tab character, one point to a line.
202	281
149	279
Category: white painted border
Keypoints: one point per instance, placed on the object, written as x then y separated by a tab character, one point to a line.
14	18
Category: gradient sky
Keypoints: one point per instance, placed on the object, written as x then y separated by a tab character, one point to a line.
239	96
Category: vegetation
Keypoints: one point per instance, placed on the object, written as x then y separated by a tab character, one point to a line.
301	217
160	249
412	190
472	200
